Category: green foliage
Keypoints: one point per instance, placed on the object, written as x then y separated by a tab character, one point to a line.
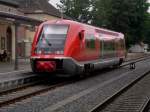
100	12
127	16
147	29
77	9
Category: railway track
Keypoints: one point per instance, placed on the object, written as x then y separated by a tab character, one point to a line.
102	106
21	93
146	106
105	103
36	88
135	99
135	60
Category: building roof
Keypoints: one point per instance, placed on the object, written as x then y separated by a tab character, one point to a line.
9	3
20	19
38	7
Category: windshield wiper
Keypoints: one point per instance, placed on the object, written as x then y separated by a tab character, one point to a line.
49	44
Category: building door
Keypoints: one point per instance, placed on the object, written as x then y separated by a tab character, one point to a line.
9	40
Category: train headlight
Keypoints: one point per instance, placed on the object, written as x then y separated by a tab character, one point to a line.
48	52
38	51
59	52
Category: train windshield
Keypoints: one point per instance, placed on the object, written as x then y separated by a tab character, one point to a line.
52	39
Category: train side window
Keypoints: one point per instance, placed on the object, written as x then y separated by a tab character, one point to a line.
90	41
109	46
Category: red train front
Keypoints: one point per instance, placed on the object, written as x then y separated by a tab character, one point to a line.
72	48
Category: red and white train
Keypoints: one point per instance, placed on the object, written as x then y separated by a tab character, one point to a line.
72	48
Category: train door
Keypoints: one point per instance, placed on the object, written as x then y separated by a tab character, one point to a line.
101	48
91	51
108	48
100	38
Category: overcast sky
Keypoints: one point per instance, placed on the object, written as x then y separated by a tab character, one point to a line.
54	2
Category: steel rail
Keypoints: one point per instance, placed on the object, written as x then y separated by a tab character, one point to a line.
146	106
106	102
147	55
24	96
45	89
134	61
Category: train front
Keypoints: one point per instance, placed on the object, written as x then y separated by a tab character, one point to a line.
48	48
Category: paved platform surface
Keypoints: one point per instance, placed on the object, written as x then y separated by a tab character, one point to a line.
23	65
131	56
10	78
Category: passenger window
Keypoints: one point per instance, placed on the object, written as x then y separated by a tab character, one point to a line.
90	41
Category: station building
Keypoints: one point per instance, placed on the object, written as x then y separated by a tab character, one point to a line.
7	27
36	9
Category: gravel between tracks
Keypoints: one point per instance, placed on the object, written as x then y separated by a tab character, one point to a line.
133	100
88	101
83	104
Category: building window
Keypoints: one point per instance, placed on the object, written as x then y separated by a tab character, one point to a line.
2	42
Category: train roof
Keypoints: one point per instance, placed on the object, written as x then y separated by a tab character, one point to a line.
70	22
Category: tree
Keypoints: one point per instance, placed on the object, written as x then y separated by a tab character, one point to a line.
127	16
77	9
100	12
147	29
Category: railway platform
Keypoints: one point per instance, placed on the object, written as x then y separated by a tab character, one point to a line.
23	65
10	78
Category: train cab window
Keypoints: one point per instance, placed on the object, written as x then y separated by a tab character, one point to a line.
52	39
